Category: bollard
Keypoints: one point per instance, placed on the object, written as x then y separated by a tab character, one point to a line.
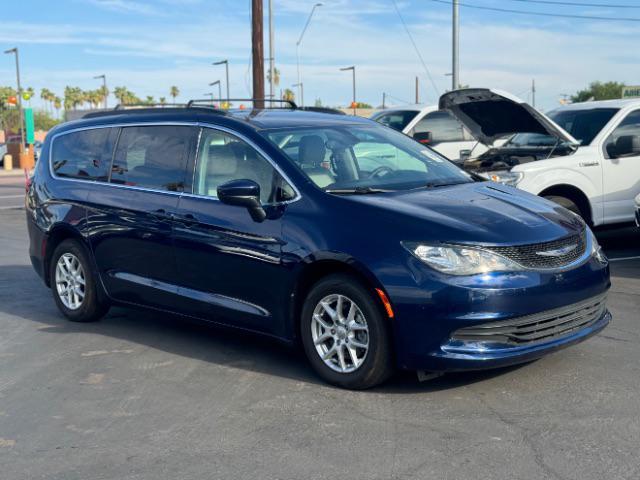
8	162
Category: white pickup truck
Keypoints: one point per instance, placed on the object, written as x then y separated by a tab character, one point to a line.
584	156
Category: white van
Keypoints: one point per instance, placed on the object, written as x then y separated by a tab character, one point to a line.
584	156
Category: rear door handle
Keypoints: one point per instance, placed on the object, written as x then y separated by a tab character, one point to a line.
186	218
161	214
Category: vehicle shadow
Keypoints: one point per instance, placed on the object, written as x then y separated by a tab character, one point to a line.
23	295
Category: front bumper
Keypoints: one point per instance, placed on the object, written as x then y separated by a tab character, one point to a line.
432	308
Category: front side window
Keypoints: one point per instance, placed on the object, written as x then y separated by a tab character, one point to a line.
354	158
223	157
153	157
443	128
85	154
624	141
396	119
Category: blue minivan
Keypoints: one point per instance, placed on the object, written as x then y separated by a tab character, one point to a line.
368	249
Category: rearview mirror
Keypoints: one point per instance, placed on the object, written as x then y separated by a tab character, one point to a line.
243	193
423	137
464	155
625	146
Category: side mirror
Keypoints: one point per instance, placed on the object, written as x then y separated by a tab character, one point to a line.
464	155
423	137
243	193
626	146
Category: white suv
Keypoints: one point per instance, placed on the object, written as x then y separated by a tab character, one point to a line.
584	156
430	126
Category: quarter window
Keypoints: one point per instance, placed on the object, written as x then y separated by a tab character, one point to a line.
153	157
85	154
223	157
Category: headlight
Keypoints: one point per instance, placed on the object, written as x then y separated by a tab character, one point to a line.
596	249
508	178
458	260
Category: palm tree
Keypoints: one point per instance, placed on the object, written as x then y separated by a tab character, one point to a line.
120	93
276	77
174	92
150	100
288	95
57	104
163	101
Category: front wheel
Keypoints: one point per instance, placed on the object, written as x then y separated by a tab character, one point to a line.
345	335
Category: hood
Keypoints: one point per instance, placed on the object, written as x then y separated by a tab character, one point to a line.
481	213
491	114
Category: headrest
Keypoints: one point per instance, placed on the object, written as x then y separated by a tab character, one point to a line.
311	150
628	144
222	160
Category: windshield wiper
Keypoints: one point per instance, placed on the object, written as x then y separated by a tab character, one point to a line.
356	190
442	184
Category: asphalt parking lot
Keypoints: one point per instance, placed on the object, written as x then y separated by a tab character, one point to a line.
145	396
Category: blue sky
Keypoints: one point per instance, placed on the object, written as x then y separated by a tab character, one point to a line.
149	45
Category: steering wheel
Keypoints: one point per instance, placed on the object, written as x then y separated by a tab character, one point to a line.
381	171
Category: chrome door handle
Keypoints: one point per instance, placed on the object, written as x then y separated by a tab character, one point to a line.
589	164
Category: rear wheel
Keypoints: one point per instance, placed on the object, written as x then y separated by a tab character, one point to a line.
344	334
73	283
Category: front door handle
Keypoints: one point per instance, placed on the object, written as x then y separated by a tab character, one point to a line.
161	214
589	164
187	218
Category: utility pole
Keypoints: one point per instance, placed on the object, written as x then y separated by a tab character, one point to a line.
226	64
533	92
22	125
257	52
271	59
417	96
353	70
104	86
384	100
300	87
455	81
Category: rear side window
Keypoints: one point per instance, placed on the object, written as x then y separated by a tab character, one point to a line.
84	154
443	127
153	157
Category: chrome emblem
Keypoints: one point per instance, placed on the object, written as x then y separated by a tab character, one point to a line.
558	252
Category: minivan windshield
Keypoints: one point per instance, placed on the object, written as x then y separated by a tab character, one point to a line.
345	159
583	125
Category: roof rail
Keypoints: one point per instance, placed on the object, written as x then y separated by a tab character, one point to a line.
127	106
208	101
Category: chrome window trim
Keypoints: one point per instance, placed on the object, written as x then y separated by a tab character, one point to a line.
199	125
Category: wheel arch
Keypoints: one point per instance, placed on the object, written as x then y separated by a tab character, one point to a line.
55	236
316	269
574	194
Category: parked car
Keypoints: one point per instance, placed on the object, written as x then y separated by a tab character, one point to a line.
584	156
638	210
3	152
433	127
268	220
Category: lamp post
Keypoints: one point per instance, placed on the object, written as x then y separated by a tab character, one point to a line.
300	88
104	86
306	25
15	51
209	94
226	64
353	70
217	82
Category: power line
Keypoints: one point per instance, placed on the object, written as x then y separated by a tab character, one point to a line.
540	14
424	65
576	4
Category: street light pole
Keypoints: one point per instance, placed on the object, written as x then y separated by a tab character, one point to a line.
210	94
217	82
22	126
104	86
298	47
353	70
226	64
271	59
455	80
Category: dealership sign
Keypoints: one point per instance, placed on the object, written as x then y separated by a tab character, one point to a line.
631	92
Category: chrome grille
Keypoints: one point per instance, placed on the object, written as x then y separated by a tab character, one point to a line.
540	327
546	255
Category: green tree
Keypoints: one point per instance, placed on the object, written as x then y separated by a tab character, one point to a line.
599	91
44	121
276	76
288	95
162	100
363	105
317	103
174	92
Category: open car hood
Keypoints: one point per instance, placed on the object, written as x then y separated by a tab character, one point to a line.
492	114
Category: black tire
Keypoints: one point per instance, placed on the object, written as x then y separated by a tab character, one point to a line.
566	203
378	362
93	306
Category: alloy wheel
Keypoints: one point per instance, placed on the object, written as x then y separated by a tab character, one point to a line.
70	281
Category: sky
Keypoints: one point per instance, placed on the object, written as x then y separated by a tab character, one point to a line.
150	45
